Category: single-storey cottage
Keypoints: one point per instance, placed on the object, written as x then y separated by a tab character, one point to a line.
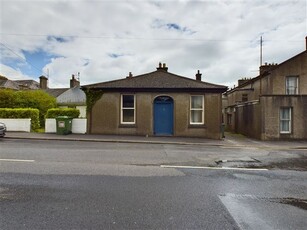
72	97
155	103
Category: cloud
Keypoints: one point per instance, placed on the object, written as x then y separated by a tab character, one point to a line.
105	40
12	73
160	24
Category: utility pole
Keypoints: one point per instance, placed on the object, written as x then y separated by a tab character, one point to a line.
261	50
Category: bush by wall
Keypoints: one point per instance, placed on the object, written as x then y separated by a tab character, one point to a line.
33	114
70	112
36	99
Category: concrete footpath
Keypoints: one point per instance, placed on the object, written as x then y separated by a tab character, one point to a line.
231	140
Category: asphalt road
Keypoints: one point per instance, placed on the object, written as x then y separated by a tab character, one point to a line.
85	185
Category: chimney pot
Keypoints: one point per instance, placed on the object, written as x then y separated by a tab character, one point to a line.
162	67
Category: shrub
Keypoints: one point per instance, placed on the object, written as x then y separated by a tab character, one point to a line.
33	114
37	99
70	112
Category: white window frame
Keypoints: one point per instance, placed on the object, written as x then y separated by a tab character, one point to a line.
197	109
288	90
281	120
127	108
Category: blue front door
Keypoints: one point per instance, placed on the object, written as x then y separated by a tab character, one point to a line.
163	115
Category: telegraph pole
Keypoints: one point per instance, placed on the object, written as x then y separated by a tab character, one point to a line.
261	50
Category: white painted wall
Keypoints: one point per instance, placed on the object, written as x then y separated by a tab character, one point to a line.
22	124
50	126
82	109
78	126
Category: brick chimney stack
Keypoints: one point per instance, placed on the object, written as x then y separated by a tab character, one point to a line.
130	75
74	82
267	67
198	76
242	81
43	82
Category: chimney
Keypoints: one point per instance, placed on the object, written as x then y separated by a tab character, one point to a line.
306	42
43	82
130	75
266	67
74	82
198	76
162	67
242	81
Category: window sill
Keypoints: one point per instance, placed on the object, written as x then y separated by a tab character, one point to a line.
127	126
192	126
285	134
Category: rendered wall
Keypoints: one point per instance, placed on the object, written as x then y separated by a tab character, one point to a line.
105	117
248	120
271	108
21	125
292	67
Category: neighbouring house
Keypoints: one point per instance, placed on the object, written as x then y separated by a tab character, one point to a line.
272	105
6	83
72	97
156	103
27	84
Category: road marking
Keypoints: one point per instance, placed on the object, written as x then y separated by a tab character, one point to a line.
17	160
214	168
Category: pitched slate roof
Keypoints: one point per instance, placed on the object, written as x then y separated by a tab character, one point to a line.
55	92
73	96
159	80
27	84
8	84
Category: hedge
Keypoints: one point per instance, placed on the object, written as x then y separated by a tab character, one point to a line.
33	114
36	99
70	112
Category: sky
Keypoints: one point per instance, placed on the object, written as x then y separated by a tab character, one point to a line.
103	40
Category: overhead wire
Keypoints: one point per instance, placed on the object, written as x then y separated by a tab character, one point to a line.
24	59
139	38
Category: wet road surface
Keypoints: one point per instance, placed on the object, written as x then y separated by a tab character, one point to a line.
123	186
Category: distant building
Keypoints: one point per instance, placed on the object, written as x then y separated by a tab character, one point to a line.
8	84
72	97
27	84
5	83
272	105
